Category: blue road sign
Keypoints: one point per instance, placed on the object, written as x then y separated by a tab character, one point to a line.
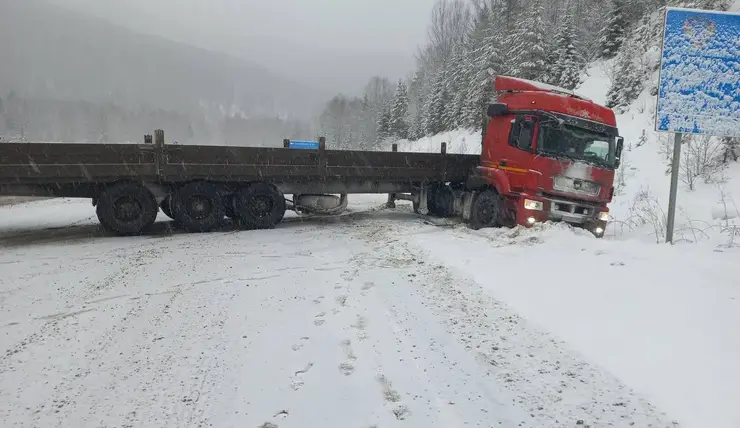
699	91
295	144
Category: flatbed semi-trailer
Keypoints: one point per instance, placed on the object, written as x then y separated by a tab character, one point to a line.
547	154
199	185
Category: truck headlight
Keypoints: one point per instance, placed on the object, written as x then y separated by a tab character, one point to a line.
603	216
533	205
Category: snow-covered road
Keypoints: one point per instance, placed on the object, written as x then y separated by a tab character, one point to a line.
370	319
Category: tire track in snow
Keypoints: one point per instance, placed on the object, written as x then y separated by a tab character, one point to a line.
99	362
555	386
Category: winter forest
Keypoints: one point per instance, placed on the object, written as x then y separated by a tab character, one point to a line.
214	99
551	41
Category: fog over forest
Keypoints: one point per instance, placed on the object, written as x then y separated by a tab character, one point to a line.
229	72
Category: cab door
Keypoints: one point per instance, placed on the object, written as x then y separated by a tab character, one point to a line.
516	157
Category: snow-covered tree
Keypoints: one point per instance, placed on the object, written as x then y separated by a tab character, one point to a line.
545	40
628	81
384	125
715	4
434	121
484	56
567	65
378	94
612	36
416	106
455	84
398	121
529	50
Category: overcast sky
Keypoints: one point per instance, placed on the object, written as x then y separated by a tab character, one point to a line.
354	38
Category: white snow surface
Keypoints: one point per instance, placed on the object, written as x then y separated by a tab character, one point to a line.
351	321
551	88
374	318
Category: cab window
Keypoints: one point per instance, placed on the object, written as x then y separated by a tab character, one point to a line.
522	133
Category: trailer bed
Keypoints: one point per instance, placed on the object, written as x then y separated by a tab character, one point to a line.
76	169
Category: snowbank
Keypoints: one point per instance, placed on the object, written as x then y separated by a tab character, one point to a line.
662	319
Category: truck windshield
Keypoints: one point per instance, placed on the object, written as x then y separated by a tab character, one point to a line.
577	144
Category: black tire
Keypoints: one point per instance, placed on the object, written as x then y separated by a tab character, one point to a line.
441	201
126	209
198	207
486	210
259	206
165	206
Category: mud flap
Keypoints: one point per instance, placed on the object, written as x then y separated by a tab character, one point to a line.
467	205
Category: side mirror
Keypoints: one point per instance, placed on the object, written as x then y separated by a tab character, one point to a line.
618	153
497	110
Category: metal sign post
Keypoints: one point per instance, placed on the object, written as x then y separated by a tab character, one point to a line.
670	221
699	77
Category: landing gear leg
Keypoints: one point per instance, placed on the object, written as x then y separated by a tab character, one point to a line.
391	201
423	199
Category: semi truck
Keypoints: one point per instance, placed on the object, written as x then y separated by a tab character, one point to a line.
547	154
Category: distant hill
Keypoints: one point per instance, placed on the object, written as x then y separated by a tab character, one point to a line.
51	52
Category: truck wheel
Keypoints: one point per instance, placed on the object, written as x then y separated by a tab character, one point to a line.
485	210
126	208
442	201
259	206
165	206
198	207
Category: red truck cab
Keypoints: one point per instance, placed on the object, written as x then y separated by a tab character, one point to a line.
550	155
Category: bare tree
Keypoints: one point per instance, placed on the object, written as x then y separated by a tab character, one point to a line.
699	159
450	25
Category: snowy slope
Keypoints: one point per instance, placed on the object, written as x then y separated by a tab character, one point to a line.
701	213
660	318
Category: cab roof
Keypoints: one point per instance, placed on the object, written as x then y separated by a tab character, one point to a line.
523	94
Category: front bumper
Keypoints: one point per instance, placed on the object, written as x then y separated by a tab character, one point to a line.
578	213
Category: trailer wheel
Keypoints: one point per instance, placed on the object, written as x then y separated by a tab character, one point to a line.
486	210
259	206
198	207
166	207
441	201
126	208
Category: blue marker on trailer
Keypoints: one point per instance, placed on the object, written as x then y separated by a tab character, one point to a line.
308	145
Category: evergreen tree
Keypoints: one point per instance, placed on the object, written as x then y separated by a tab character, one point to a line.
612	36
715	4
566	71
398	125
384	124
485	57
529	50
628	83
417	130
416	106
434	122
456	74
